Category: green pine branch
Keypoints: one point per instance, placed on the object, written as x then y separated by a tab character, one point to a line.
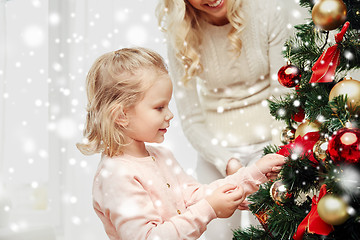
251	233
283	108
301	175
270	149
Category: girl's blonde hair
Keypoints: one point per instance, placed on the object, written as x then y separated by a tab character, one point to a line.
115	82
180	21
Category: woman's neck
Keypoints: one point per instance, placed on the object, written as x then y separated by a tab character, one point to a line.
219	22
215	21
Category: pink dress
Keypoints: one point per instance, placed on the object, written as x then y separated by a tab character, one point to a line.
153	198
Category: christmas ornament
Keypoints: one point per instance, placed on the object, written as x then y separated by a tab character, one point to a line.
312	223
289	75
287	135
332	210
325	67
279	192
344	146
329	14
301	146
320	148
349	87
263	217
307	127
299	116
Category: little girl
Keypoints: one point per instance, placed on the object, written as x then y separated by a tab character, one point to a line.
140	191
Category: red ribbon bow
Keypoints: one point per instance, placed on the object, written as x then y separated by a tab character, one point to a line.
301	146
325	67
312	223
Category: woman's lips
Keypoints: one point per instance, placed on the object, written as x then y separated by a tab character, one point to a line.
215	4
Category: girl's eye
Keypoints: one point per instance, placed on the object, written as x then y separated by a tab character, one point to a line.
159	108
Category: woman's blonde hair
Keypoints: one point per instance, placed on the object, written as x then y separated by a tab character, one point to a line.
115	82
180	21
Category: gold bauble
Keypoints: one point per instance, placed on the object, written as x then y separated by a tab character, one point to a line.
278	192
319	149
287	135
332	209
307	127
329	14
349	87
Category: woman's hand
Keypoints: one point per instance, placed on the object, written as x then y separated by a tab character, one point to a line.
232	166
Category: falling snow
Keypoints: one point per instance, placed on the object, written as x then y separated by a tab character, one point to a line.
48	52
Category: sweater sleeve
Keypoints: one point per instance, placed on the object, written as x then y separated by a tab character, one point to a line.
127	212
192	118
249	178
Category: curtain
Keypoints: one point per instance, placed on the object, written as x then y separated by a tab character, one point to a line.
46	50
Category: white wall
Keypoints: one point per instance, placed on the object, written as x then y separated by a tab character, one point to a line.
46	49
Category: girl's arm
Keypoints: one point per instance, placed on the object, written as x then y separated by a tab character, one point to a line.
192	119
249	178
128	212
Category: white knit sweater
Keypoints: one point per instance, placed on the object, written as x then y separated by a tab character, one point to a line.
226	105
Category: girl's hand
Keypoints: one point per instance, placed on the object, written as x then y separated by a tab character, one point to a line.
270	165
226	199
244	205
232	166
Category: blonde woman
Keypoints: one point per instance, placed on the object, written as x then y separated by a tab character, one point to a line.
224	56
140	191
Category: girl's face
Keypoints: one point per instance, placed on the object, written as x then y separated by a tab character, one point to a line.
214	10
150	117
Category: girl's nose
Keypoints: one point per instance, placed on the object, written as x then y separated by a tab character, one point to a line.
169	115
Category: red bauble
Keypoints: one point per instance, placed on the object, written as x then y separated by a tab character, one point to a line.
344	146
299	116
289	76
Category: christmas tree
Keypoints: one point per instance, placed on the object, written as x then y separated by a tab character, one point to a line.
317	193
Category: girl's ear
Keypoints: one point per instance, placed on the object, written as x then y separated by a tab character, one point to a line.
122	120
121	116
